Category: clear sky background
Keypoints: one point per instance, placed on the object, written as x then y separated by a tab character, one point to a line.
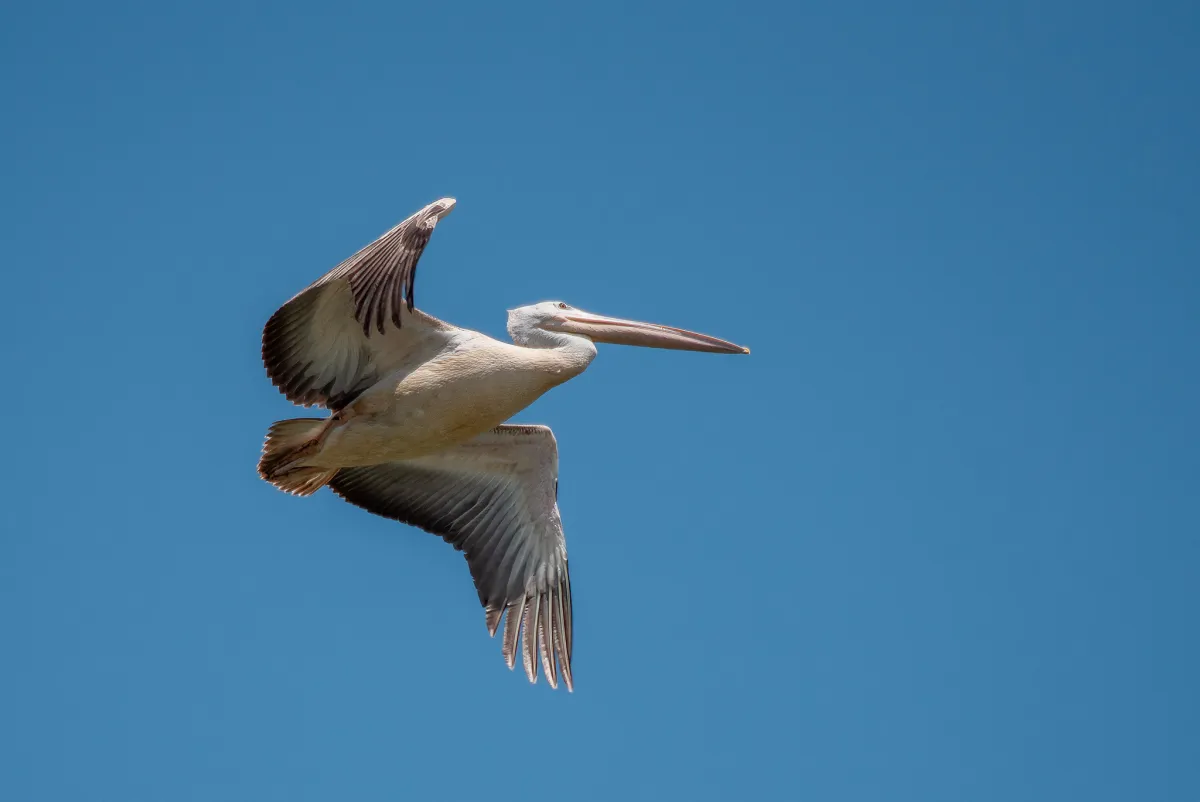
937	538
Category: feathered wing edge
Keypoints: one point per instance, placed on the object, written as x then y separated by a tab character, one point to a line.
318	347
546	620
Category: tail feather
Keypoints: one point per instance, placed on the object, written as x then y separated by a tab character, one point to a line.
287	443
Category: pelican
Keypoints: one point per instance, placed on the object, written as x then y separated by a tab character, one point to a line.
417	427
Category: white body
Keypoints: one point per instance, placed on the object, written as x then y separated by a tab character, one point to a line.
465	391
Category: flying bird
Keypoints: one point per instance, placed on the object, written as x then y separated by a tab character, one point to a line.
417	427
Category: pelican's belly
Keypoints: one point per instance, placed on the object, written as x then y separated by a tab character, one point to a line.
442	403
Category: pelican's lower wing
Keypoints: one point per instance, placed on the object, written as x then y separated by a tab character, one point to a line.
493	498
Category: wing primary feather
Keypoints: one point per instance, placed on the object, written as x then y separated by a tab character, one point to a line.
493	619
560	638
362	287
512	630
373	283
568	619
545	639
410	290
380	303
396	262
396	300
511	568
529	642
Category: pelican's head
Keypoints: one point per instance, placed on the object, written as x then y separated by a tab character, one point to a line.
526	322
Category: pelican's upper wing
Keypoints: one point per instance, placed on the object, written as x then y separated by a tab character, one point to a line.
330	342
493	498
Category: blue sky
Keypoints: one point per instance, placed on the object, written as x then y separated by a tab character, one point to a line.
935	539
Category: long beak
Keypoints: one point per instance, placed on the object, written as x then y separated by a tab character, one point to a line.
601	329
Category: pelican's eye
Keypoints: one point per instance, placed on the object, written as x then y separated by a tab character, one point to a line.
561	305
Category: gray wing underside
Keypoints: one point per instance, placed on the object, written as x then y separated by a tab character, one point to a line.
494	499
356	323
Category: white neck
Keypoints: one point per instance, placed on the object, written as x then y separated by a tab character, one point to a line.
574	352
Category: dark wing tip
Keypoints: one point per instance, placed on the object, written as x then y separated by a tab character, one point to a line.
383	274
493	619
539	625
